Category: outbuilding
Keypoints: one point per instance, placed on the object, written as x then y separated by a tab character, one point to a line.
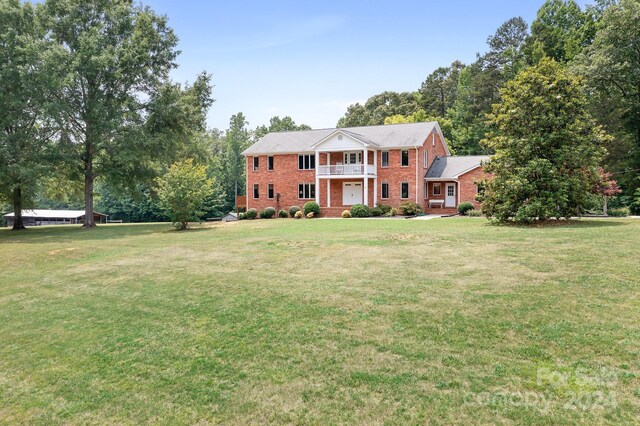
39	217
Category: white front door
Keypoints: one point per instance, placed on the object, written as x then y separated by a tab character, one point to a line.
351	193
450	196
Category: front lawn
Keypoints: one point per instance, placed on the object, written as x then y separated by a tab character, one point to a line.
321	321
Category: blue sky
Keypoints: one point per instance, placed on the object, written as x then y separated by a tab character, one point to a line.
311	59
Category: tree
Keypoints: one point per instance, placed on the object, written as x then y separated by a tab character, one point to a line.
115	54
237	138
277	124
611	66
560	31
421	117
606	187
547	147
379	107
27	140
183	191
439	91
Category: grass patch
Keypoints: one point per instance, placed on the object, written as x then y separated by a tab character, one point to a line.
319	321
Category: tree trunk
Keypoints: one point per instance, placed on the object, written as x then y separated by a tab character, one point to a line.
18	224
604	206
88	186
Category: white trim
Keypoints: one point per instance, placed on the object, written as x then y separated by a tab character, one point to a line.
417	180
361	184
433	187
315	160
343	132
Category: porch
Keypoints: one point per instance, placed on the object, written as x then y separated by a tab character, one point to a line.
442	196
338	193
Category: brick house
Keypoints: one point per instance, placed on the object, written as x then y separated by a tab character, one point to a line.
370	165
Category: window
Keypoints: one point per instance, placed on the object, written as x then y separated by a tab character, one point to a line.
451	190
353	157
405	158
256	163
385	190
425	158
385	159
426	189
306	191
270	162
270	191
256	190
437	190
404	190
306	162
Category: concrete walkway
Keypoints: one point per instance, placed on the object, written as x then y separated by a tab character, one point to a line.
427	217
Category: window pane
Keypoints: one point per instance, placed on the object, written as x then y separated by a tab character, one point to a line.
385	190
300	190
270	163
385	158
312	190
436	189
300	162
450	190
270	194
256	191
405	158
313	161
405	190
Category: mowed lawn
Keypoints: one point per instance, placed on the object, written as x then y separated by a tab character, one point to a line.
322	322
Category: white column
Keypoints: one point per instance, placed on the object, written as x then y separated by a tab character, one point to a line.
317	178
365	161
375	191
329	180
375	161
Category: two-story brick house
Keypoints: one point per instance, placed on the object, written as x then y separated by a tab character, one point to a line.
360	165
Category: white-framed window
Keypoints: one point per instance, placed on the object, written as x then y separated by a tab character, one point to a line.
426	190
306	191
384	190
437	189
353	157
306	162
404	158
384	161
425	158
270	192
256	191
256	163
270	162
404	190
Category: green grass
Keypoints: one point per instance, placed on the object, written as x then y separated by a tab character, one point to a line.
322	322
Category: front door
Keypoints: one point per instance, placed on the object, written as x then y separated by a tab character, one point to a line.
450	196
351	193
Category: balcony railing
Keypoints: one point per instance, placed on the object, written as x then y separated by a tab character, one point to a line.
346	169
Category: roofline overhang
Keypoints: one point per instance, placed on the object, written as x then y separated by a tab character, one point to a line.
348	134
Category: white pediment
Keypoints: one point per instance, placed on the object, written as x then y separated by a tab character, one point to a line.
341	140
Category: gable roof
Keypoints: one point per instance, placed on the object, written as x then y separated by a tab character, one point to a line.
407	135
355	136
453	166
57	214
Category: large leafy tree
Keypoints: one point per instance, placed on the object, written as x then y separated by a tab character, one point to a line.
379	107
611	66
27	135
116	54
439	91
237	139
547	147
560	31
277	124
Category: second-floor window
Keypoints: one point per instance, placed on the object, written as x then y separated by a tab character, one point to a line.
270	191
306	162
256	163
270	162
404	158
306	191
385	159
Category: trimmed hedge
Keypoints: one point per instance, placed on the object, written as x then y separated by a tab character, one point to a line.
619	212
282	214
268	213
251	214
409	208
474	213
376	212
360	210
293	210
465	207
311	207
384	207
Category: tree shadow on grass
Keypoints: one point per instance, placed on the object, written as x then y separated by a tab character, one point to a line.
70	233
566	224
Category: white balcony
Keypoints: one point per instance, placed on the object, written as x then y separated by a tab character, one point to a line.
346	170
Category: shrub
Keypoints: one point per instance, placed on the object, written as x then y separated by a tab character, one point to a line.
376	211
268	213
385	208
241	216
298	215
293	210
310	215
465	207
409	208
251	214
392	212
346	214
283	214
311	207
619	212
474	213
360	210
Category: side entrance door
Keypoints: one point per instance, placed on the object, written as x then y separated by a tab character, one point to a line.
450	196
351	193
